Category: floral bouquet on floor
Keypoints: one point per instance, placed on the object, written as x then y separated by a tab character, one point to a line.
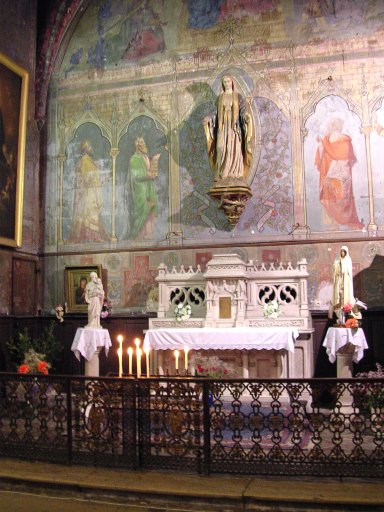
213	367
106	309
34	363
271	309
182	312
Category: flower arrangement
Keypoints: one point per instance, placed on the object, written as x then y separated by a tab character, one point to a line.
35	354
182	312
214	367
105	309
34	363
271	309
352	315
370	396
59	313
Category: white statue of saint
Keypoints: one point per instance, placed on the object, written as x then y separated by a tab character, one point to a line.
94	296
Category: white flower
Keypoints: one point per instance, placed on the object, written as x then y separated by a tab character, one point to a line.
272	309
182	312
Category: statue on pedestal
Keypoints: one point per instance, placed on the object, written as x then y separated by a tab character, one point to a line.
94	296
230	138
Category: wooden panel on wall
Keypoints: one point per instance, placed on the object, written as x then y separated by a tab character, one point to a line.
23	287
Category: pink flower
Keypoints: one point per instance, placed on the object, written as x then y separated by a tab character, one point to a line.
347	308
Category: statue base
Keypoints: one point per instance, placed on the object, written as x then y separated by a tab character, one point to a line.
233	195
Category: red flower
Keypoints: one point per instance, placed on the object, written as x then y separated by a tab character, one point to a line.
352	323
23	368
42	367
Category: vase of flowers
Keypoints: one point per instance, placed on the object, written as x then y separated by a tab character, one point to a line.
182	312
351	316
34	363
271	309
106	309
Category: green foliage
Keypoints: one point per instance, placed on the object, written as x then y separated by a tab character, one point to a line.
46	344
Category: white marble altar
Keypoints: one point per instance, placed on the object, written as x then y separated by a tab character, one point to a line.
230	296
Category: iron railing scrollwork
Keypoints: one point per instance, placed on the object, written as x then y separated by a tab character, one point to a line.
325	427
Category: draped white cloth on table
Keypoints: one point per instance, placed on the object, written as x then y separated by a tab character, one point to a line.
222	338
87	341
338	337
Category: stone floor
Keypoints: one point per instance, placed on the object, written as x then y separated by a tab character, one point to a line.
40	487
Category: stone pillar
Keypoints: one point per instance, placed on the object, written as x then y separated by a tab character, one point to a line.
92	368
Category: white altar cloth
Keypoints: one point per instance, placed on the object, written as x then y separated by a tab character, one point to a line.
222	338
87	341
338	337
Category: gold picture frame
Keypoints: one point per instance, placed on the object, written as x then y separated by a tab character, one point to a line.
76	278
13	120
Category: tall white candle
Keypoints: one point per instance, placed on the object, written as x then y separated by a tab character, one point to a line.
130	354
138	361
120	354
146	350
186	350
176	360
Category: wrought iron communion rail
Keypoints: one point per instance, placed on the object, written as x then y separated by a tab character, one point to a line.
324	427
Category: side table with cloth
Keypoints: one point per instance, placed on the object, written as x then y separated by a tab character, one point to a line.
88	343
221	338
345	345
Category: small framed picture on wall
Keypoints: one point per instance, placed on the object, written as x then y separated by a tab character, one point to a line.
76	279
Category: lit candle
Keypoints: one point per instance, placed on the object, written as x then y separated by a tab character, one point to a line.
176	360
146	350
186	350
120	354
130	354
138	361
137	343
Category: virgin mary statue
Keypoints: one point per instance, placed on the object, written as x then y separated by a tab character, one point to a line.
229	135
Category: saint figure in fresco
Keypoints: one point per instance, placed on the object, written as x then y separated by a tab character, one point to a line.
229	133
143	170
334	160
86	223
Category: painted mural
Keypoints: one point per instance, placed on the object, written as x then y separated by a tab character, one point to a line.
142	177
270	209
87	189
335	19
377	152
335	166
152	70
120	31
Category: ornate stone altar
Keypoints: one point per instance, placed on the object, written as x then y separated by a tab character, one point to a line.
232	294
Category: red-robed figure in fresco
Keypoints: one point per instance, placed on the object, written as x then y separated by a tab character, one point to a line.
334	160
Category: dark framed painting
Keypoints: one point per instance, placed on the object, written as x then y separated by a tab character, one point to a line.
13	119
76	279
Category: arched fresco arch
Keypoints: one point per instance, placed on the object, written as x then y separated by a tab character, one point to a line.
86	188
136	220
329	194
377	158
